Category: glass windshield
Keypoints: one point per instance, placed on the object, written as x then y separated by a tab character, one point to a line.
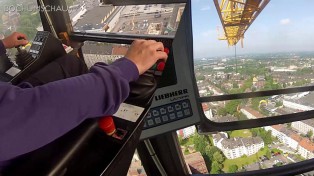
19	16
277	53
152	19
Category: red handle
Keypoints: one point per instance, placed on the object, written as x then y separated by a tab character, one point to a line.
107	125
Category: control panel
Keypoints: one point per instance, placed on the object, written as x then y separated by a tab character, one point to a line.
39	55
174	105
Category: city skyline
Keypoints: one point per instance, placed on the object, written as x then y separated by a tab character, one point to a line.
279	28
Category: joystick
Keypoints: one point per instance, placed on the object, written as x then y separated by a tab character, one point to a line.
23	58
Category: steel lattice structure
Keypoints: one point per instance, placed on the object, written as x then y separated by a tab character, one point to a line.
236	17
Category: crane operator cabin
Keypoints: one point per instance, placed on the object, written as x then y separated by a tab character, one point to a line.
233	97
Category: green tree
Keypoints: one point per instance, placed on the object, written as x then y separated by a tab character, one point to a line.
211	150
267	137
241	116
255	102
216	168
235	85
218	157
232	106
254	131
268	154
200	142
222	112
233	168
186	151
309	134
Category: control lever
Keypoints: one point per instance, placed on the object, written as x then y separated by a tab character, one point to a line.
145	86
23	58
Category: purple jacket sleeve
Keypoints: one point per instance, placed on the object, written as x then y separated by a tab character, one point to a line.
33	117
2	49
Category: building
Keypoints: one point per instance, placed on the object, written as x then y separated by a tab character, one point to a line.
237	147
304	126
217	138
154	29
302	145
301	101
186	132
306	148
251	113
196	163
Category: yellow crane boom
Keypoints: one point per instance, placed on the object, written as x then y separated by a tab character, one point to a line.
236	17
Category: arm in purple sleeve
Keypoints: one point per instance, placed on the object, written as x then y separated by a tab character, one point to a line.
32	117
2	49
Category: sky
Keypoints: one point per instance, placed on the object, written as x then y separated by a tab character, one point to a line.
283	26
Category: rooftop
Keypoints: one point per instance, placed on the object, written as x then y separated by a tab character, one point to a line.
253	112
307	144
196	163
305	99
94	16
238	142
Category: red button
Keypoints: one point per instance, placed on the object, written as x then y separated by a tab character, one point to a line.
166	50
161	66
107	125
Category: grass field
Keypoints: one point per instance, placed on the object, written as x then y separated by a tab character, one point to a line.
241	133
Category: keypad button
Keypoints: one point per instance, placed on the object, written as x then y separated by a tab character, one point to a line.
187	112
157	120
170	109
149	115
165	118
172	116
163	111
150	122
178	107
185	105
180	114
155	113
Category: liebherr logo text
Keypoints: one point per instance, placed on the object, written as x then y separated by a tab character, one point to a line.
171	94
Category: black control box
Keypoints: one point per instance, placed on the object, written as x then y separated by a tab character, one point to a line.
45	48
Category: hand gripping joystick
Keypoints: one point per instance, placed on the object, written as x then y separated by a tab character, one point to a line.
23	58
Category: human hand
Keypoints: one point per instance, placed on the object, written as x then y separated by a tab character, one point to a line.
145	53
14	40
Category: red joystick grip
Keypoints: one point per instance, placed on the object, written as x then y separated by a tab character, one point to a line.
107	125
161	66
166	50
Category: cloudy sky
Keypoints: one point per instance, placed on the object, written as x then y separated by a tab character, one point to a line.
284	25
